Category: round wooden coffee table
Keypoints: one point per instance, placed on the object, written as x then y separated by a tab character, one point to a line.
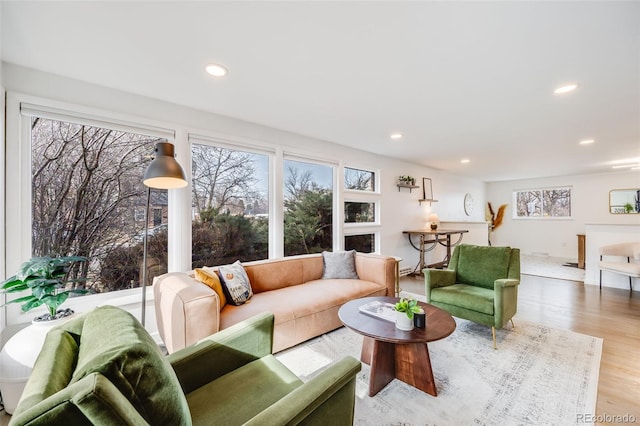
394	353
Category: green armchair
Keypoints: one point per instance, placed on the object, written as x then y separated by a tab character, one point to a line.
480	284
103	368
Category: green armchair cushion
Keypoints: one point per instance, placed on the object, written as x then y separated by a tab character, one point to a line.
241	394
482	266
477	299
126	354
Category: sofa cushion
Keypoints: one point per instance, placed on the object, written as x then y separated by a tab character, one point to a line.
480	265
312	297
236	397
211	279
127	355
236	283
339	265
469	297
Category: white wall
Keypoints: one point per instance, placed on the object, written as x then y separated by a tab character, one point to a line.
590	204
400	210
2	184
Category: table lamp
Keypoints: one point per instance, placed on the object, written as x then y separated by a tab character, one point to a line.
433	220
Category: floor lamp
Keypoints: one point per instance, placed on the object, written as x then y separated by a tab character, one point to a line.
164	172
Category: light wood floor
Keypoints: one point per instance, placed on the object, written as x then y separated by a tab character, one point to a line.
613	315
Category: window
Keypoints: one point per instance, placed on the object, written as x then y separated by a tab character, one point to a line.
364	243
359	180
230	205
359	212
543	203
308	207
87	195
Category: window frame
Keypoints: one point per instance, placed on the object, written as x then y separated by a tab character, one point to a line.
376	180
375	233
542	190
337	215
18	145
271	154
376	213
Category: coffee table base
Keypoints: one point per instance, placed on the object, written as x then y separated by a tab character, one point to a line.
408	362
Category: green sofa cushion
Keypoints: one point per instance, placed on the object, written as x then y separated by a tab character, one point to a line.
236	397
126	355
480	265
469	297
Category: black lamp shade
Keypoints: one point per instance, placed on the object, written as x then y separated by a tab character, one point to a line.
164	172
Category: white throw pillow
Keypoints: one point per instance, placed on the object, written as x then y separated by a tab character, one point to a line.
236	283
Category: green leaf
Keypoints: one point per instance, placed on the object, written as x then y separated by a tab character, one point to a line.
19	300
10	281
14	287
31	304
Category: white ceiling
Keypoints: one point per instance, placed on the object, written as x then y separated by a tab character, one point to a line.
459	79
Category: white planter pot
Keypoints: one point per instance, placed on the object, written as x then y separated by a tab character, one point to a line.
18	357
403	322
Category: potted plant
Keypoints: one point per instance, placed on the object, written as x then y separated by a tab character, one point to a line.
405	308
45	277
407	180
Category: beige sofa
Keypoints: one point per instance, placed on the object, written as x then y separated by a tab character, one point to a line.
292	288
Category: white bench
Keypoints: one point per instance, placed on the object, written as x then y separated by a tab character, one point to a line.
621	250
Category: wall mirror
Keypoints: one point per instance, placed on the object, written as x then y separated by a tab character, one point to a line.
624	201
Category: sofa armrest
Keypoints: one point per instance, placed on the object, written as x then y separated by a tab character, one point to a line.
434	278
328	398
186	310
378	269
223	351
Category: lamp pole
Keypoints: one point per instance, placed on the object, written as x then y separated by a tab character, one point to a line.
144	257
163	172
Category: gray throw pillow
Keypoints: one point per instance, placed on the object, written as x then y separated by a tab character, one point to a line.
340	264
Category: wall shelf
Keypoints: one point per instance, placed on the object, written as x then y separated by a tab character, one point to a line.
411	187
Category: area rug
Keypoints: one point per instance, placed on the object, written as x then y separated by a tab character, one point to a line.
538	376
551	267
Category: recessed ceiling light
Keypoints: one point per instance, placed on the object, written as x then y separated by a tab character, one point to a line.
396	136
465	161
565	89
587	142
216	70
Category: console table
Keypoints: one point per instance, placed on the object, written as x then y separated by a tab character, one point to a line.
429	239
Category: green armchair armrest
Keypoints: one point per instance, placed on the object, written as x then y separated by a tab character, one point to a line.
325	399
435	278
93	400
505	300
223	352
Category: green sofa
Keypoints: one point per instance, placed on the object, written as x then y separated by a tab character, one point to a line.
480	284
103	368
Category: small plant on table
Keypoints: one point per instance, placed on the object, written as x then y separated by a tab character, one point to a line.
408	306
